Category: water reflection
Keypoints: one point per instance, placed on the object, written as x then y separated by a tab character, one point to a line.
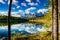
27	28
3	32
22	29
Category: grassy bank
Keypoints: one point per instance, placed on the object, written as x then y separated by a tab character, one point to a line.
41	36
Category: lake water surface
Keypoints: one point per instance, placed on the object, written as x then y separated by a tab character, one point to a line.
22	29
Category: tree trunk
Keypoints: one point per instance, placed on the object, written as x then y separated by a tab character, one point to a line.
9	12
55	20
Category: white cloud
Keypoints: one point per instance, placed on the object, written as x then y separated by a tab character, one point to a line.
27	11
20	11
28	0
31	8
32	4
18	7
8	1
13	8
42	10
3	13
13	2
15	14
23	4
1	1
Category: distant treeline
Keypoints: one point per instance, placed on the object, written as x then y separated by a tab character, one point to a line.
12	19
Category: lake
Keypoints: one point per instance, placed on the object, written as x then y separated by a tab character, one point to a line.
22	29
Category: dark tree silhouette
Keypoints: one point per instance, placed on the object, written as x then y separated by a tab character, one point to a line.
9	12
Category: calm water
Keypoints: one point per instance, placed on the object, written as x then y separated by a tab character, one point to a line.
22	29
27	28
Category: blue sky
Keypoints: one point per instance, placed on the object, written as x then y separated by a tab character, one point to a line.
21	7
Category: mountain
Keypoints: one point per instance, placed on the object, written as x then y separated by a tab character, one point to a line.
30	15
